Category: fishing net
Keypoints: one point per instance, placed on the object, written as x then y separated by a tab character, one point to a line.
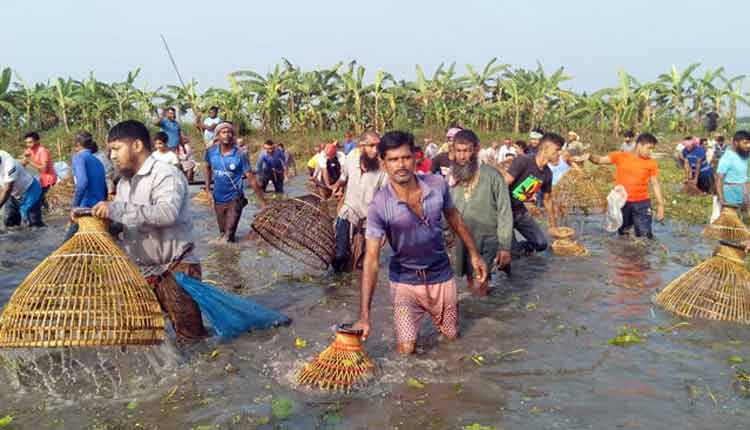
299	228
87	293
340	367
717	289
562	232
230	314
728	226
577	192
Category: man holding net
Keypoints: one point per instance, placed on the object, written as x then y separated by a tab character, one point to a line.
152	206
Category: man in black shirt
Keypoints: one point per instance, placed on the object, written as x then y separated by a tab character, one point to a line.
529	175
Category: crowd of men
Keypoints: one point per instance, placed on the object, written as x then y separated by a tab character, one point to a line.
391	190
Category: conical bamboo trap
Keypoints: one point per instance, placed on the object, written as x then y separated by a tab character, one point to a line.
87	293
564	244
340	367
577	192
717	289
299	228
728	226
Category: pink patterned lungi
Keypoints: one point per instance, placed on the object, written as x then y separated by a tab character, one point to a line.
411	302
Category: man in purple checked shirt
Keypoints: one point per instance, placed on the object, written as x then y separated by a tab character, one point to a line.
408	212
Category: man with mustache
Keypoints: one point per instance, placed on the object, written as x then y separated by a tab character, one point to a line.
409	212
481	197
153	208
361	177
732	172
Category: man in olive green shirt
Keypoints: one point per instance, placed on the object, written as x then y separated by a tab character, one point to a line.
481	195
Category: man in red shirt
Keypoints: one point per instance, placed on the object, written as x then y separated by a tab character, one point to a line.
38	156
634	170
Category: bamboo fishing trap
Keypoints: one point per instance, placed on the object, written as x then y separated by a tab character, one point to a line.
299	227
577	192
717	289
87	293
340	367
728	226
564	244
201	197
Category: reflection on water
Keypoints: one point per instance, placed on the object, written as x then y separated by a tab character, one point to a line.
533	354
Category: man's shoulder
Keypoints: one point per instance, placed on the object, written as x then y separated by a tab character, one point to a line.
489	172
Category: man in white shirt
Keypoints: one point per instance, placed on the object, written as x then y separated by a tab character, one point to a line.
505	149
489	155
209	124
21	193
629	144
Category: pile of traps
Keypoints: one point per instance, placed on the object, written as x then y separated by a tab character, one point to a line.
299	227
564	244
717	289
728	226
577	192
340	367
87	293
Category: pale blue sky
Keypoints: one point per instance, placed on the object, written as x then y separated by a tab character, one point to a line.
592	39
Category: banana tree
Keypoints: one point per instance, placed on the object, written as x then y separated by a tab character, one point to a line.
267	93
673	93
65	92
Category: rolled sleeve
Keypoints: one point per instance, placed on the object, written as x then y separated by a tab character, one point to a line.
504	214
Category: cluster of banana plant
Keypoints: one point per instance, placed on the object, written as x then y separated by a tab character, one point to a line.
342	97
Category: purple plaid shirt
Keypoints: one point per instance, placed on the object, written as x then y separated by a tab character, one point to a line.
418	245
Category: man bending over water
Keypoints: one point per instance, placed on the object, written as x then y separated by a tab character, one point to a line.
409	213
153	207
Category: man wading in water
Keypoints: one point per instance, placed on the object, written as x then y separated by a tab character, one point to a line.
225	166
528	175
153	207
361	177
481	197
409	213
634	171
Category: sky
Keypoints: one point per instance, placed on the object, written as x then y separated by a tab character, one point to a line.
209	39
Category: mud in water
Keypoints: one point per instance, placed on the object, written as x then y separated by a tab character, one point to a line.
534	354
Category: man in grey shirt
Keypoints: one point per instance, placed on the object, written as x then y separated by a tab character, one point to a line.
153	207
362	176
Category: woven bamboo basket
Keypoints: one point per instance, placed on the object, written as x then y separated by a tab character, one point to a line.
340	367
577	192
569	248
201	197
299	228
717	289
728	226
87	293
562	232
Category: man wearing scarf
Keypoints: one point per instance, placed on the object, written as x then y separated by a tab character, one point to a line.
226	166
361	176
481	197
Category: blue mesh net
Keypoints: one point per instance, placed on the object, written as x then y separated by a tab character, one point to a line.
229	314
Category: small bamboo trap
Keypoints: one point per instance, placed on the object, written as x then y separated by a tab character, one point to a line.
717	289
87	293
300	228
728	226
201	197
577	193
342	366
564	244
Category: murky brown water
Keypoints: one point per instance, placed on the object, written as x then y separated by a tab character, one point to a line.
542	338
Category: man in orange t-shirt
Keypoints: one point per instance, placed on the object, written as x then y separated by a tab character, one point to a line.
634	171
39	157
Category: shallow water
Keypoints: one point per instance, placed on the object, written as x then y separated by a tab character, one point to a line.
532	355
